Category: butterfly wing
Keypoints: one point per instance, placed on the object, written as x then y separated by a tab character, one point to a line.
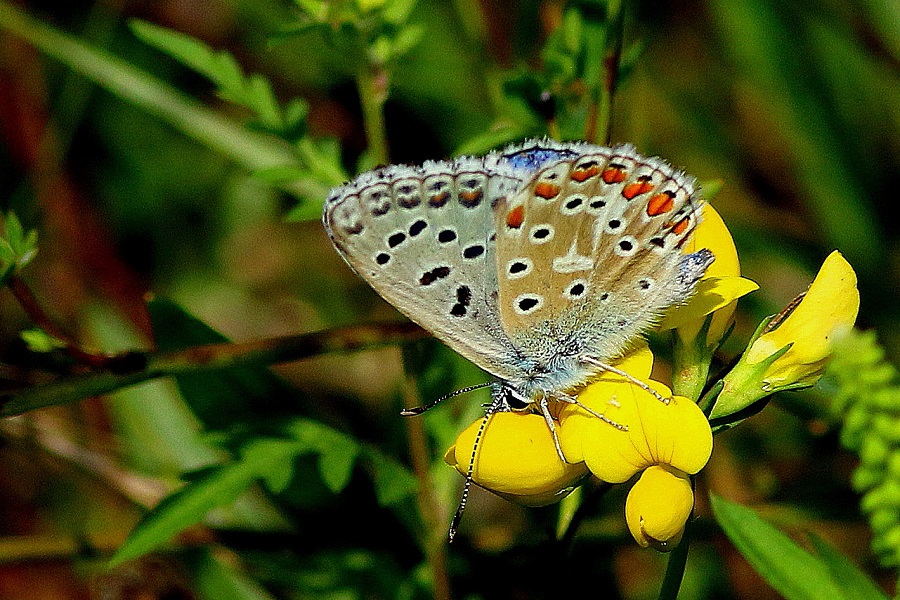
423	238
589	256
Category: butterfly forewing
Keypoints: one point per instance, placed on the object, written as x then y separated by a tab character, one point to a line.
423	238
588	252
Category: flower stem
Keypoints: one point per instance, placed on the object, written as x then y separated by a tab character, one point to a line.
373	91
677	562
599	121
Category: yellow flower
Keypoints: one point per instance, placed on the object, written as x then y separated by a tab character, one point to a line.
794	352
658	506
516	459
645	431
718	290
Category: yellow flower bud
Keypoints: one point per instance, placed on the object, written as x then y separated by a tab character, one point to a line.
658	507
830	306
804	338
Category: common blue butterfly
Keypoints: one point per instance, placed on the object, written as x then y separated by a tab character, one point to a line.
540	263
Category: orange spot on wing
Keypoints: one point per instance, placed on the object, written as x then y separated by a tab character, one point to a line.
681	226
471	197
515	217
613	175
659	204
637	188
546	190
581	175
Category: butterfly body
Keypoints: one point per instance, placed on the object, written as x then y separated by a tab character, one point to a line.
540	263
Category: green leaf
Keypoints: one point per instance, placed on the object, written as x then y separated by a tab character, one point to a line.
789	569
250	149
393	482
337	451
218	579
17	246
853	583
38	340
218	487
228	397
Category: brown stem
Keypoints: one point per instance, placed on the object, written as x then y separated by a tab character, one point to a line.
39	317
435	538
134	367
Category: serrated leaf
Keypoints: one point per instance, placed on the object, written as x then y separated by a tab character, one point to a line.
789	569
853	583
393	482
188	506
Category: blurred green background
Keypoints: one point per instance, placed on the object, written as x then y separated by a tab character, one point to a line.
795	106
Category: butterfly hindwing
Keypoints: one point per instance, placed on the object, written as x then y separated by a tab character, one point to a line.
422	237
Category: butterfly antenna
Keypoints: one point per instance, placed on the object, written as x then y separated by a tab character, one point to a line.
454	524
629	377
418	410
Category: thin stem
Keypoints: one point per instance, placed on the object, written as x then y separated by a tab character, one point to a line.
134	367
373	91
600	127
676	565
435	537
27	300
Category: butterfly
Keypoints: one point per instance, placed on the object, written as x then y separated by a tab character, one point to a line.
541	263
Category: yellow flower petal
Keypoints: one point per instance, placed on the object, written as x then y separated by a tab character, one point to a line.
516	459
676	434
658	506
721	284
712	294
712	233
830	305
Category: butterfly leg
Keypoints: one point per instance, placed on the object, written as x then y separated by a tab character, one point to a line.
628	376
545	410
573	400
